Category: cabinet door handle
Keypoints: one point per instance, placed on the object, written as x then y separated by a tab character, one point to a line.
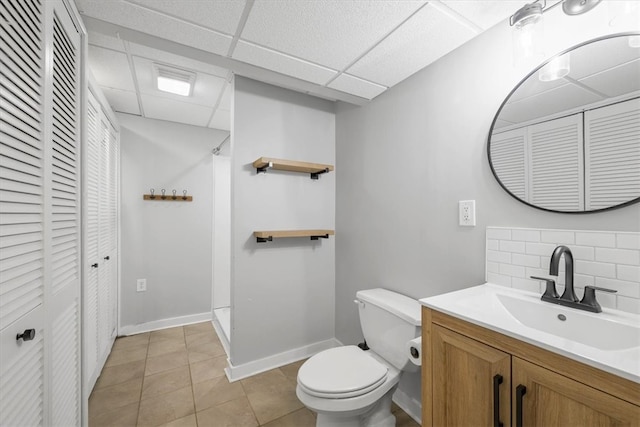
27	335
521	390
497	380
94	265
106	258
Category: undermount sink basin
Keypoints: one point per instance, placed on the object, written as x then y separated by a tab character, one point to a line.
609	340
582	327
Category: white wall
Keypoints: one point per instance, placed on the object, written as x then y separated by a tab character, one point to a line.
168	243
282	292
406	159
221	231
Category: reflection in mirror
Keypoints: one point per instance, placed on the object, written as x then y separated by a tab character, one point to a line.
567	138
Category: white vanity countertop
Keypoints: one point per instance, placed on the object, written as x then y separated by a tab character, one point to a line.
487	306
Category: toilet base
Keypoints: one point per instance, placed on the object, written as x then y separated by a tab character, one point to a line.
378	415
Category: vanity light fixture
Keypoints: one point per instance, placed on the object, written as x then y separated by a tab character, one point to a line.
173	80
555	69
531	13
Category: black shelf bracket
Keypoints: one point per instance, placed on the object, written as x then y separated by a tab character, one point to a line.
264	168
264	239
324	236
316	175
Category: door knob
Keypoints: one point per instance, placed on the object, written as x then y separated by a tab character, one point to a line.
94	265
106	258
27	335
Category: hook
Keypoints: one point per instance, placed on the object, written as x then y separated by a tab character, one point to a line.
152	191
174	195
184	194
163	196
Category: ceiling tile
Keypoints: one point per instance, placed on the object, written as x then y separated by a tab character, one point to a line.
617	81
108	42
266	58
356	86
221	120
610	52
219	15
423	39
206	90
332	33
122	101
177	60
110	68
147	21
485	13
175	111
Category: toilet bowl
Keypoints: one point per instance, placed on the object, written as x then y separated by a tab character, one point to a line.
347	386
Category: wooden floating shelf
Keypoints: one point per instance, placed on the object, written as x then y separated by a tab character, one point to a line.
267	236
165	198
314	169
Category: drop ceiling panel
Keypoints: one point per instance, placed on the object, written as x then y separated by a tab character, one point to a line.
110	68
157	24
617	81
610	53
332	33
356	86
206	89
563	98
221	120
176	60
485	13
220	15
285	64
427	36
121	101
175	111
532	86
108	42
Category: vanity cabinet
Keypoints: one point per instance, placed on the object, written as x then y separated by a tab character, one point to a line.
473	376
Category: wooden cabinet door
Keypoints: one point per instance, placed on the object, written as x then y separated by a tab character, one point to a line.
464	372
551	400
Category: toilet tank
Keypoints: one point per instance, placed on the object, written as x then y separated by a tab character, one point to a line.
388	321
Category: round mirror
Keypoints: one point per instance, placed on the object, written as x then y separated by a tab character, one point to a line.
567	138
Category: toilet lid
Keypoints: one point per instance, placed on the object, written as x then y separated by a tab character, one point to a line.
341	372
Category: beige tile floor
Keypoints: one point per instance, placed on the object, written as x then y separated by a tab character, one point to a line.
175	377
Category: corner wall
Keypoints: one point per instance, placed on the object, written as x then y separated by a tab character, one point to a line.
168	243
408	157
282	292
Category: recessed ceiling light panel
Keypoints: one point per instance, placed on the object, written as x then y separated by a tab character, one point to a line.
173	80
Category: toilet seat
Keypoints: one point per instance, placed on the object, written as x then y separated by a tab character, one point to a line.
341	373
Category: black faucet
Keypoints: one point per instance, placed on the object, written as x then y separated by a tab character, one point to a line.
569	298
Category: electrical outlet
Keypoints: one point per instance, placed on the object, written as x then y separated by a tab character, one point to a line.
467	213
141	285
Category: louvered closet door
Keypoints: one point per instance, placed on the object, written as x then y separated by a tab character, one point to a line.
92	168
104	330
612	154
556	164
112	223
22	213
63	296
509	160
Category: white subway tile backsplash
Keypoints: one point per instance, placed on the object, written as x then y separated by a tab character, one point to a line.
601	258
558	237
618	256
600	269
525	260
512	246
624	288
499	233
525	235
629	272
512	270
539	248
596	239
499	279
497	256
628	240
632	305
586	253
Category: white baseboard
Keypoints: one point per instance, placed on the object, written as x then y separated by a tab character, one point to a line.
238	372
164	323
409	405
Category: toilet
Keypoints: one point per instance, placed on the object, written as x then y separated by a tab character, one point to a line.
347	386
